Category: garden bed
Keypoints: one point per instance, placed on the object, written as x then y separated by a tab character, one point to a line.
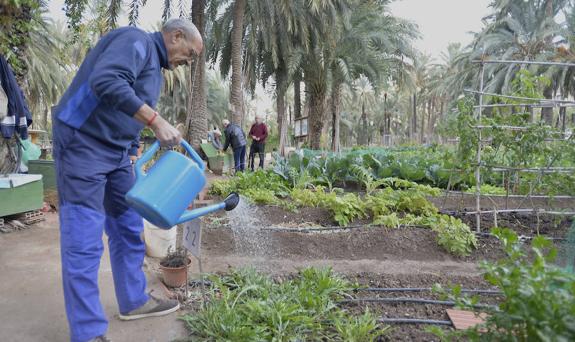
412	332
370	243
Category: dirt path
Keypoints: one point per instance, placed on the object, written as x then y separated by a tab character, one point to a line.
31	299
277	266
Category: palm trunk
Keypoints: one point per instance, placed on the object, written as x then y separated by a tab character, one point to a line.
281	89
297	95
430	117
45	118
363	133
317	93
197	121
422	131
547	112
414	118
335	112
236	93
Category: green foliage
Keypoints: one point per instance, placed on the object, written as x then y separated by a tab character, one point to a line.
454	235
263	187
261	196
387	220
538	297
487	189
305	197
344	208
400	202
248	306
17	19
357	328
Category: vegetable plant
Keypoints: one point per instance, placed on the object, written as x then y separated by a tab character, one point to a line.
249	306
538	297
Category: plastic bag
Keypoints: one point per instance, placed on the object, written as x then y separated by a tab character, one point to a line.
30	151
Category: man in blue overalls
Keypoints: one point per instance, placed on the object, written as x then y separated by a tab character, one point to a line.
95	129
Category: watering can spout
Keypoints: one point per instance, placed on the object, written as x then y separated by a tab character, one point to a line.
232	201
228	204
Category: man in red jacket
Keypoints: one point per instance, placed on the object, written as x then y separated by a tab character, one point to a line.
258	133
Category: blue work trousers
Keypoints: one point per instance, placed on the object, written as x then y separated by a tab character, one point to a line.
240	158
92	180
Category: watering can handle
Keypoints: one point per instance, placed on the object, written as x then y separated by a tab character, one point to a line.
155	147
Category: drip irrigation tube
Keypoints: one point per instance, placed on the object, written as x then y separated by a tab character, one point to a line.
409	300
313	229
524	237
414	321
367	226
424	289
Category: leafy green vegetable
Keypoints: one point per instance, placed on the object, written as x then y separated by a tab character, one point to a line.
248	306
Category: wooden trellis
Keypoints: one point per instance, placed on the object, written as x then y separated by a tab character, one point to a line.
532	103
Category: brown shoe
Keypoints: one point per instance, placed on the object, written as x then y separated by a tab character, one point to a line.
154	307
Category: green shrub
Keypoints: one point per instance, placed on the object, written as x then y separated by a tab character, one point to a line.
538	297
344	208
454	235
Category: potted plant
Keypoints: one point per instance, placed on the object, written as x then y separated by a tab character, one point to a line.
174	267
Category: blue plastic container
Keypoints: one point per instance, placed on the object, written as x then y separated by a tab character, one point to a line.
163	194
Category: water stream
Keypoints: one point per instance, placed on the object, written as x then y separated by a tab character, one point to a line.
246	226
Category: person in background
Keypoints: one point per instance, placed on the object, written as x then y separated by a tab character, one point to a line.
215	137
236	138
258	133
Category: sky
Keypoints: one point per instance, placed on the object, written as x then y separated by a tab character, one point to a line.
440	21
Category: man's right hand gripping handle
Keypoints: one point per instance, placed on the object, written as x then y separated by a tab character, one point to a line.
167	134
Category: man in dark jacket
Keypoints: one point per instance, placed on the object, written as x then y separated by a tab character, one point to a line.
259	134
111	98
236	138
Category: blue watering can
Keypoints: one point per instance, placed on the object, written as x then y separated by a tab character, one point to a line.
163	194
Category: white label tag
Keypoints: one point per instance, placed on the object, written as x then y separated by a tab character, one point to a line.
193	236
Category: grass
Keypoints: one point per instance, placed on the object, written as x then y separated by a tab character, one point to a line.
249	306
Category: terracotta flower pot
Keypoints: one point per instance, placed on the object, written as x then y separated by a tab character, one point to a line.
175	276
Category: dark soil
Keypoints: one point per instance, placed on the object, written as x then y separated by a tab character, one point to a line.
311	216
379	246
410	332
175	259
375	243
523	223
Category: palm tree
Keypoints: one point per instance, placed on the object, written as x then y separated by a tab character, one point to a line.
236	98
325	23
47	75
197	121
373	44
519	30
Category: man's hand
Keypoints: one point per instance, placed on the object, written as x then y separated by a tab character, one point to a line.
167	134
133	159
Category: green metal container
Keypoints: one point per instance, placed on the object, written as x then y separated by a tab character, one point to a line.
217	162
20	193
47	169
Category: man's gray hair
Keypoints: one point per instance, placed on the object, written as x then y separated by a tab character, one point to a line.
189	29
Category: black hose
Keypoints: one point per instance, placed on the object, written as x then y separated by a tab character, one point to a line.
424	289
331	228
368	226
524	237
413	321
409	300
